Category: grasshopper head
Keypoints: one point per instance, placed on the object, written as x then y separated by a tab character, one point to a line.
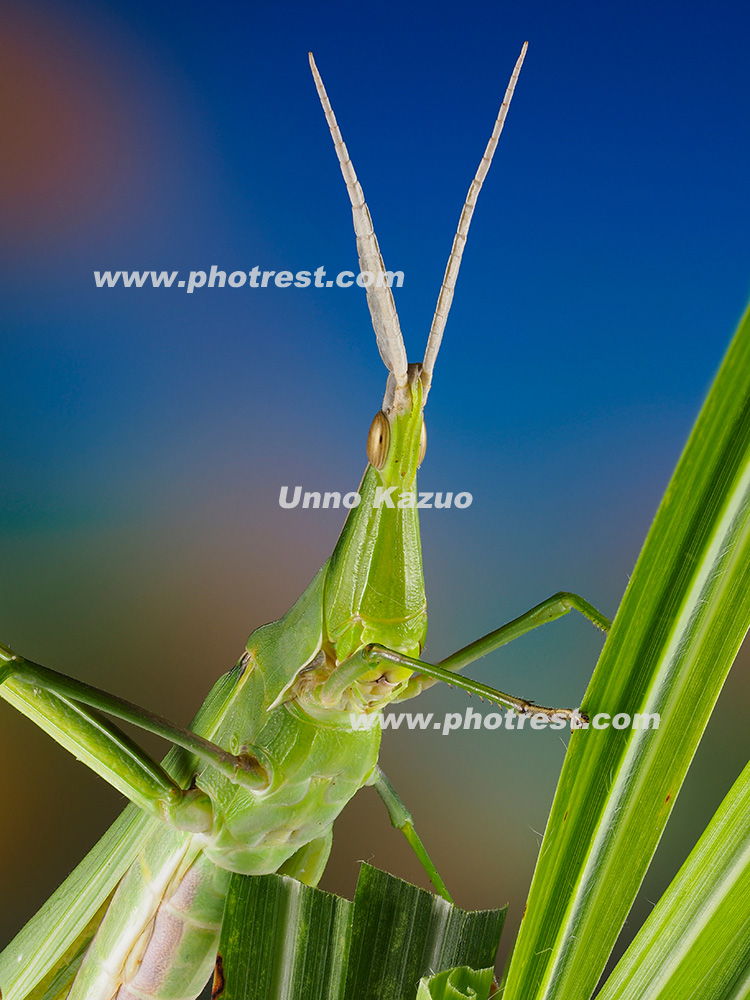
374	591
374	585
397	439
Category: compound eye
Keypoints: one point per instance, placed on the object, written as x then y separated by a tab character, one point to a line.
378	440
422	443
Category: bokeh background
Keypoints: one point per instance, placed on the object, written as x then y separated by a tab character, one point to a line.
145	433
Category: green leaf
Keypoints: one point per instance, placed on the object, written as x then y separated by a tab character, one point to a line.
677	631
696	942
281	939
401	933
457	984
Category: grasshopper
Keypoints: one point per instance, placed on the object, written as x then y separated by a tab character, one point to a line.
272	757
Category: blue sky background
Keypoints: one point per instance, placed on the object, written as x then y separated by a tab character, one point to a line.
145	433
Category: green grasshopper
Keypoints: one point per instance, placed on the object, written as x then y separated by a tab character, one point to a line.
273	755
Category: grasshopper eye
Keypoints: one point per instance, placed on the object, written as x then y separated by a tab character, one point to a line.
378	440
422	443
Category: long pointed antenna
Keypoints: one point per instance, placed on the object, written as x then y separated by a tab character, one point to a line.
379	295
445	298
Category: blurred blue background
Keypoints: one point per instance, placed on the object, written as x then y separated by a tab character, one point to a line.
145	433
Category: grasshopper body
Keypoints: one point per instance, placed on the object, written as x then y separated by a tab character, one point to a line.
272	757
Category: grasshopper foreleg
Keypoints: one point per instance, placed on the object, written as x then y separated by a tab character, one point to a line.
548	611
427	674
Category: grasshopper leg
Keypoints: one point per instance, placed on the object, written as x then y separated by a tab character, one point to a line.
69	711
402	820
427	674
308	864
548	611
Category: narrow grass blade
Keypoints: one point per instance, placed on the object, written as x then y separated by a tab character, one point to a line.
674	638
696	942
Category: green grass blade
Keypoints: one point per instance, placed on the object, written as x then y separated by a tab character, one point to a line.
281	939
679	626
696	942
401	933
